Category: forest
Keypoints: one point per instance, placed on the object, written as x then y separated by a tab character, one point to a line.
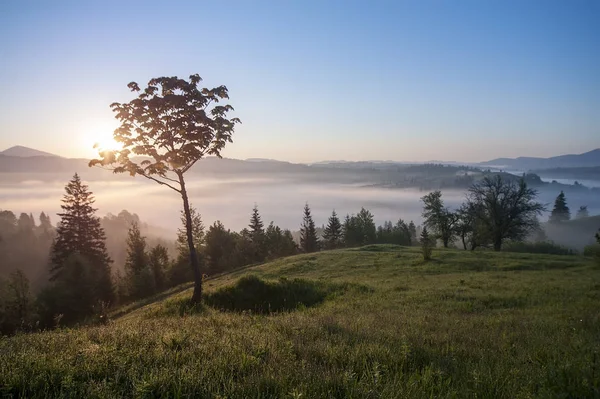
75	271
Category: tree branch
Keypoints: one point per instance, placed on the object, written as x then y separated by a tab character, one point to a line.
161	182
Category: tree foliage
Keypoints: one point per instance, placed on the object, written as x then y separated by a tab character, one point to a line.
438	218
333	235
560	212
505	209
79	234
309	242
164	131
427	244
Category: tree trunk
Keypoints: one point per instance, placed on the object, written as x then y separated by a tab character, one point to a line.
464	242
197	296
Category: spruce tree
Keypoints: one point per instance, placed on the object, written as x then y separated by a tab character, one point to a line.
309	241
332	235
560	212
158	261
140	279
79	234
257	236
197	234
413	231
426	244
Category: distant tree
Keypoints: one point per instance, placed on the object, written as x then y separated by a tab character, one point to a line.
16	304
158	261
220	246
469	229
560	212
139	275
332	235
180	272
45	224
582	212
439	218
367	226
79	233
197	234
413	231
279	242
359	229
73	295
426	244
504	209
164	131
257	236
402	234
309	242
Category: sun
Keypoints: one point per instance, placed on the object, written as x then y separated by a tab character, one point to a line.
99	137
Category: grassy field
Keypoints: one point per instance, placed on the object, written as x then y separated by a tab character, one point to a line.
375	322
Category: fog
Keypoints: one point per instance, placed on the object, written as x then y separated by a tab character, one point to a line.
229	200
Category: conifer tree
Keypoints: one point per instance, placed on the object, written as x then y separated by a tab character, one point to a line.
181	272
257	236
197	234
139	276
158	260
426	244
413	231
79	233
332	235
309	242
560	212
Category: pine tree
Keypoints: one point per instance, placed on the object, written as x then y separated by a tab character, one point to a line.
158	260
309	241
426	244
79	233
140	279
560	212
332	235
257	236
412	229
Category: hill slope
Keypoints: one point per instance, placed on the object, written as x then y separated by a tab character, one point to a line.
587	159
387	325
25	152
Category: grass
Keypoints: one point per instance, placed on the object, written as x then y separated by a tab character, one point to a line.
376	322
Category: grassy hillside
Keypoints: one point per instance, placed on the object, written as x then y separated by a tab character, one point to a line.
373	323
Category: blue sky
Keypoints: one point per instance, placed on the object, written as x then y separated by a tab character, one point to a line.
315	80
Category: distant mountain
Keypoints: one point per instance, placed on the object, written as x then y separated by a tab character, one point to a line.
588	159
25	152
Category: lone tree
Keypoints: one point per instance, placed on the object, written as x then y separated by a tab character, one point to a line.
439	218
504	209
560	212
309	241
164	131
332	235
257	236
426	244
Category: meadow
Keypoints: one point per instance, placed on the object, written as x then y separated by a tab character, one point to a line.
372	322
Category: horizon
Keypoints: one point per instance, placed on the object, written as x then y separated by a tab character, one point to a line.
409	82
456	161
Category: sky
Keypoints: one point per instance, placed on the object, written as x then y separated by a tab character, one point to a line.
315	80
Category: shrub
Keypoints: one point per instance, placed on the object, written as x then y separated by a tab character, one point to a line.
260	296
538	247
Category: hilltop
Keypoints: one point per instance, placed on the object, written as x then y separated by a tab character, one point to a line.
369	322
25	152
